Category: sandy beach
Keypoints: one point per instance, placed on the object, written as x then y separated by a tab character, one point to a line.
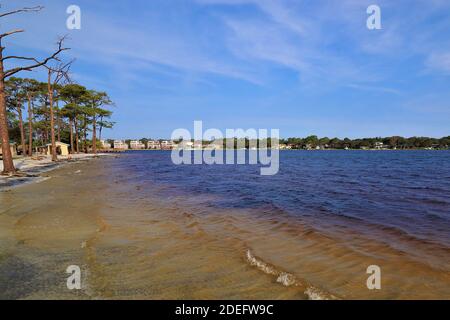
32	169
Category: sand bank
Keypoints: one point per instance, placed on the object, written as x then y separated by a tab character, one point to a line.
33	169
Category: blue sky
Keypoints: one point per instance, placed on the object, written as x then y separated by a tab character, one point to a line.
304	67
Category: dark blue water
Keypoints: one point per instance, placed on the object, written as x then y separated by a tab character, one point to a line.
404	192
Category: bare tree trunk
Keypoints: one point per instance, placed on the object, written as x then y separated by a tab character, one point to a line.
94	135
76	136
8	163
22	130
85	146
100	129
52	117
45	122
58	119
30	126
59	126
45	132
71	135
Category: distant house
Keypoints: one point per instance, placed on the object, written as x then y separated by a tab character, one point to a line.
153	145
379	145
62	149
136	145
120	145
167	145
12	147
105	145
186	145
198	145
215	145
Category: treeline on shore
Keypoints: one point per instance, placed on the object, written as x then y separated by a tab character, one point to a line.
79	115
394	142
311	142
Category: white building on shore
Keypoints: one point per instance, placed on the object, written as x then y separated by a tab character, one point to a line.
186	145
198	145
153	145
380	145
215	145
105	145
168	145
120	145
136	145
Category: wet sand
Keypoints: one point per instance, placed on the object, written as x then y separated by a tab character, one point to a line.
133	245
33	169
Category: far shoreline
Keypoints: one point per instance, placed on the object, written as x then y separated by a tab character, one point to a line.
169	150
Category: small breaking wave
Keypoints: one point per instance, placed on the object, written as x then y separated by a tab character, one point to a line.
288	279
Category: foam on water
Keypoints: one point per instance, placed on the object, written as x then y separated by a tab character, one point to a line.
288	279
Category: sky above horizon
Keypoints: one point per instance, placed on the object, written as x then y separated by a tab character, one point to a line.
304	67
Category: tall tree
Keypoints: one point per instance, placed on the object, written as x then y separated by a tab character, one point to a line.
15	96
31	88
104	124
69	112
74	96
55	76
8	164
96	100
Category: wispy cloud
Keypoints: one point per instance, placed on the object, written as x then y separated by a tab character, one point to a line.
374	88
328	40
439	62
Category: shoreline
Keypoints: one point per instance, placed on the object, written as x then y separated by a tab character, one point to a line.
31	169
329	149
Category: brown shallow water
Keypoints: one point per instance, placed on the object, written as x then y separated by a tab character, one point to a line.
133	245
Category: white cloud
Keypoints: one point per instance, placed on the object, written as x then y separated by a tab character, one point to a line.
439	62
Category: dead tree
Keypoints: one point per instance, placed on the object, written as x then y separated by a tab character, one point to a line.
55	76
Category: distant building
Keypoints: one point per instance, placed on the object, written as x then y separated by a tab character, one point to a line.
215	145
283	146
167	145
62	149
120	145
12	147
105	145
379	145
198	145
153	145
186	145
136	145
